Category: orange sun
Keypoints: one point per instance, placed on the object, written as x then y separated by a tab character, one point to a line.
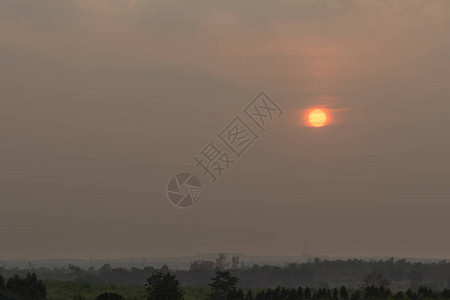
317	117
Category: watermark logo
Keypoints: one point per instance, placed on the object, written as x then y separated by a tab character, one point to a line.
184	190
262	110
224	150
238	136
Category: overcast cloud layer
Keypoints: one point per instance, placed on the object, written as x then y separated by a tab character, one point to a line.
103	101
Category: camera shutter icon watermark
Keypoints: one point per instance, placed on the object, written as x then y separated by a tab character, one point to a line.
184	190
215	159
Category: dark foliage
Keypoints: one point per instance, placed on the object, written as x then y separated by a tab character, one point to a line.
5	295
109	296
379	293
2	283
223	286
28	288
163	286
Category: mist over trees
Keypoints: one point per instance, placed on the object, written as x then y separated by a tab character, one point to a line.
316	273
398	275
224	285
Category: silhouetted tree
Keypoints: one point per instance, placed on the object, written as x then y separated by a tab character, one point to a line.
235	262
4	294
424	292
375	280
307	293
2	283
164	269
335	294
109	296
236	295
292	295
162	286
201	265
268	294
343	294
356	296
28	288
220	263
221	285
260	295
249	295
410	294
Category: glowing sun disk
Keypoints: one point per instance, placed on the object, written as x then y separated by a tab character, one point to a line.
317	118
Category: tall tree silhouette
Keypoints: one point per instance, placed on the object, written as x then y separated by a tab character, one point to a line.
221	285
307	293
249	295
343	294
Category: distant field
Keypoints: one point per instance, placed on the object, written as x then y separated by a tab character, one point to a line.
68	290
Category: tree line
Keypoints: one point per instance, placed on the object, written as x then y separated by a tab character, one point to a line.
223	286
317	273
163	285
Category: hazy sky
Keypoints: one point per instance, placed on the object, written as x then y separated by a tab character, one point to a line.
103	101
